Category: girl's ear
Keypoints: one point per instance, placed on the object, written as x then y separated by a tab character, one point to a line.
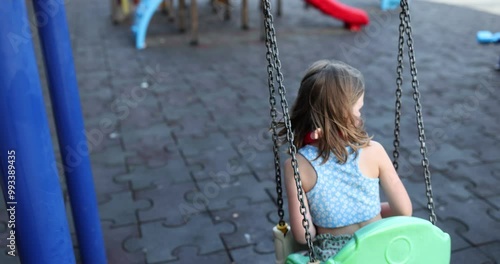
312	136
316	133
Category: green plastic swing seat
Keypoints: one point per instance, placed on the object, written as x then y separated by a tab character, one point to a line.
393	240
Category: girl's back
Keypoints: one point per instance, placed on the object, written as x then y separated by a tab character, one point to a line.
342	198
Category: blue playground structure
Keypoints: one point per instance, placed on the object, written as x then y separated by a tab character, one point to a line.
487	37
145	10
28	166
389	4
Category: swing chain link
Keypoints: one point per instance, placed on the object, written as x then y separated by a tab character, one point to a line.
273	54
405	22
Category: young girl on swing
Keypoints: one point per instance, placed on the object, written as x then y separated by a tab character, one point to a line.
340	166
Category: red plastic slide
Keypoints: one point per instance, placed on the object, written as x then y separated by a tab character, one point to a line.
354	18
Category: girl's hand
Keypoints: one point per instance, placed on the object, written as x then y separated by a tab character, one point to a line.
385	210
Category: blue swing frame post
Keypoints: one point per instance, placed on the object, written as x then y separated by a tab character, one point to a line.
61	74
37	216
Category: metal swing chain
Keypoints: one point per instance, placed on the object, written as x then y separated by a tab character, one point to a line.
274	123
273	53
418	110
405	23
399	91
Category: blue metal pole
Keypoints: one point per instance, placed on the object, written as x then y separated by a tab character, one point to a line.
57	51
37	216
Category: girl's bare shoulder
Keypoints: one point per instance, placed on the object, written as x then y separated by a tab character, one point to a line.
374	148
306	170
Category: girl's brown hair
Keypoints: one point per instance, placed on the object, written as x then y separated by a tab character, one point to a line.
325	100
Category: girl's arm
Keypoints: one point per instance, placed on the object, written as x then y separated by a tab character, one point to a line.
398	200
293	202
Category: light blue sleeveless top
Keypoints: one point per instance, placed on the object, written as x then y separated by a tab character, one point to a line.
342	195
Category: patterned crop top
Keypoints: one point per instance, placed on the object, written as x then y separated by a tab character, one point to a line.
342	195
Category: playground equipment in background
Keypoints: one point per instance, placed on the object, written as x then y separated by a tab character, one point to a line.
143	14
389	4
122	9
146	9
487	37
353	18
